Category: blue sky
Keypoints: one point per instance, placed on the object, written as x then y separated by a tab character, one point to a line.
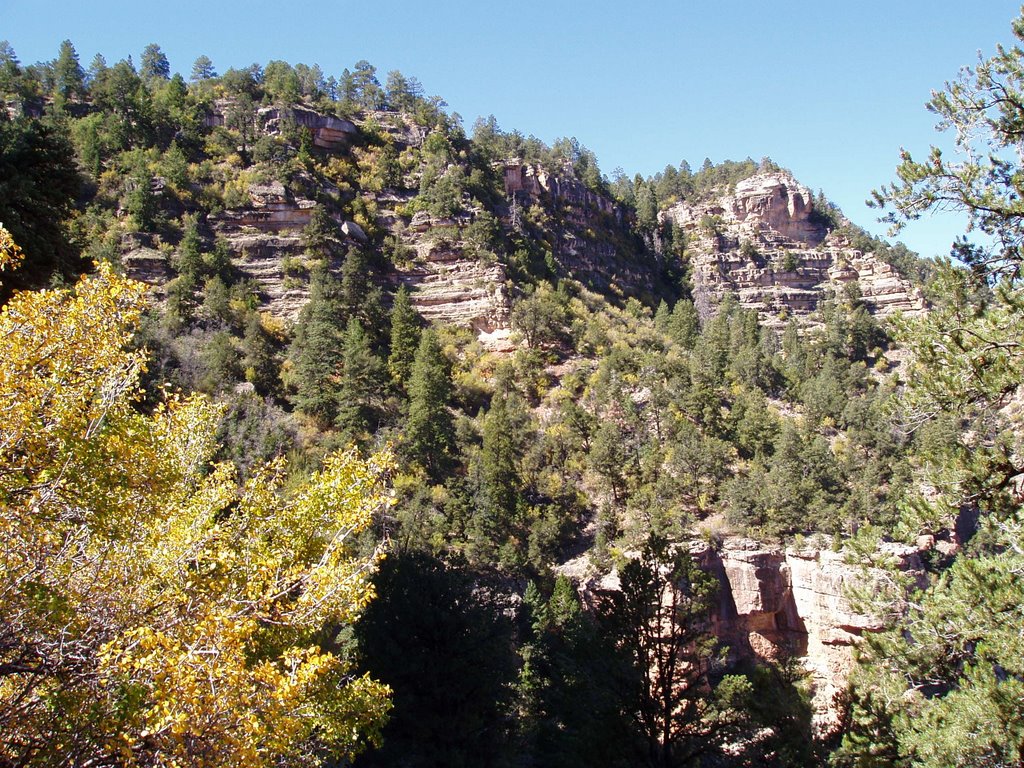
830	90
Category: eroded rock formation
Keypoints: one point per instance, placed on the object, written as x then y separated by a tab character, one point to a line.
328	131
765	243
796	601
778	603
592	242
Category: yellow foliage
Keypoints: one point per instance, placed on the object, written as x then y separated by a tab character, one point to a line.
10	253
154	611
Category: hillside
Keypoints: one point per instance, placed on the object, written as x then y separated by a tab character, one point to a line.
616	416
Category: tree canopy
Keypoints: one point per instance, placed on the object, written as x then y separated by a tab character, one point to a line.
155	610
942	686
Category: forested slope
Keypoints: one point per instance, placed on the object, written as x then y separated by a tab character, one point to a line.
577	376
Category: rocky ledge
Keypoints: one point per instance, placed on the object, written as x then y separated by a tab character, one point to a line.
796	602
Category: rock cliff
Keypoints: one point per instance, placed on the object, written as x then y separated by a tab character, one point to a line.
766	243
328	131
781	603
796	601
591	240
763	241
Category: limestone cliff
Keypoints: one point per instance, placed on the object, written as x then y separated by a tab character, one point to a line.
590	237
765	242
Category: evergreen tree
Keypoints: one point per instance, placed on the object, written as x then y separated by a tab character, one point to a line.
361	384
10	69
684	325
572	717
405	338
443	643
202	69
154	64
369	94
496	521
68	75
355	284
430	433
659	621
39	182
943	684
259	360
317	350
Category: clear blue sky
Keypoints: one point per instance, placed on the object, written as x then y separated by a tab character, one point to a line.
829	89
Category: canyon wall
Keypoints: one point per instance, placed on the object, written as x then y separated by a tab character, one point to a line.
776	603
766	243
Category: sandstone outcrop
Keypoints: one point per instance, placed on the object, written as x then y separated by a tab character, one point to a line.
447	286
592	241
328	131
147	265
796	602
765	243
778	603
535	183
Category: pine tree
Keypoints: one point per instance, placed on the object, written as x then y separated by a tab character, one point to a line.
317	351
355	285
571	717
68	75
259	361
495	522
361	384
430	433
154	64
659	621
684	325
202	69
943	685
405	338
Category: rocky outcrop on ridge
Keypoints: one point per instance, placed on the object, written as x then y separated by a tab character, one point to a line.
328	131
766	243
592	241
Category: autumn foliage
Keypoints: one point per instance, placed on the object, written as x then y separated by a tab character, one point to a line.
155	611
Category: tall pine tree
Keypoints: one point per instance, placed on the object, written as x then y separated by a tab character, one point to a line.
430	434
317	351
361	385
405	338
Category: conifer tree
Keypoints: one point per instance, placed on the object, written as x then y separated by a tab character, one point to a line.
362	381
405	338
259	362
68	75
430	433
202	69
317	350
943	685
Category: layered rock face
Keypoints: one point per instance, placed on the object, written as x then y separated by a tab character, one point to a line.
265	240
329	131
593	243
775	603
765	243
448	281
